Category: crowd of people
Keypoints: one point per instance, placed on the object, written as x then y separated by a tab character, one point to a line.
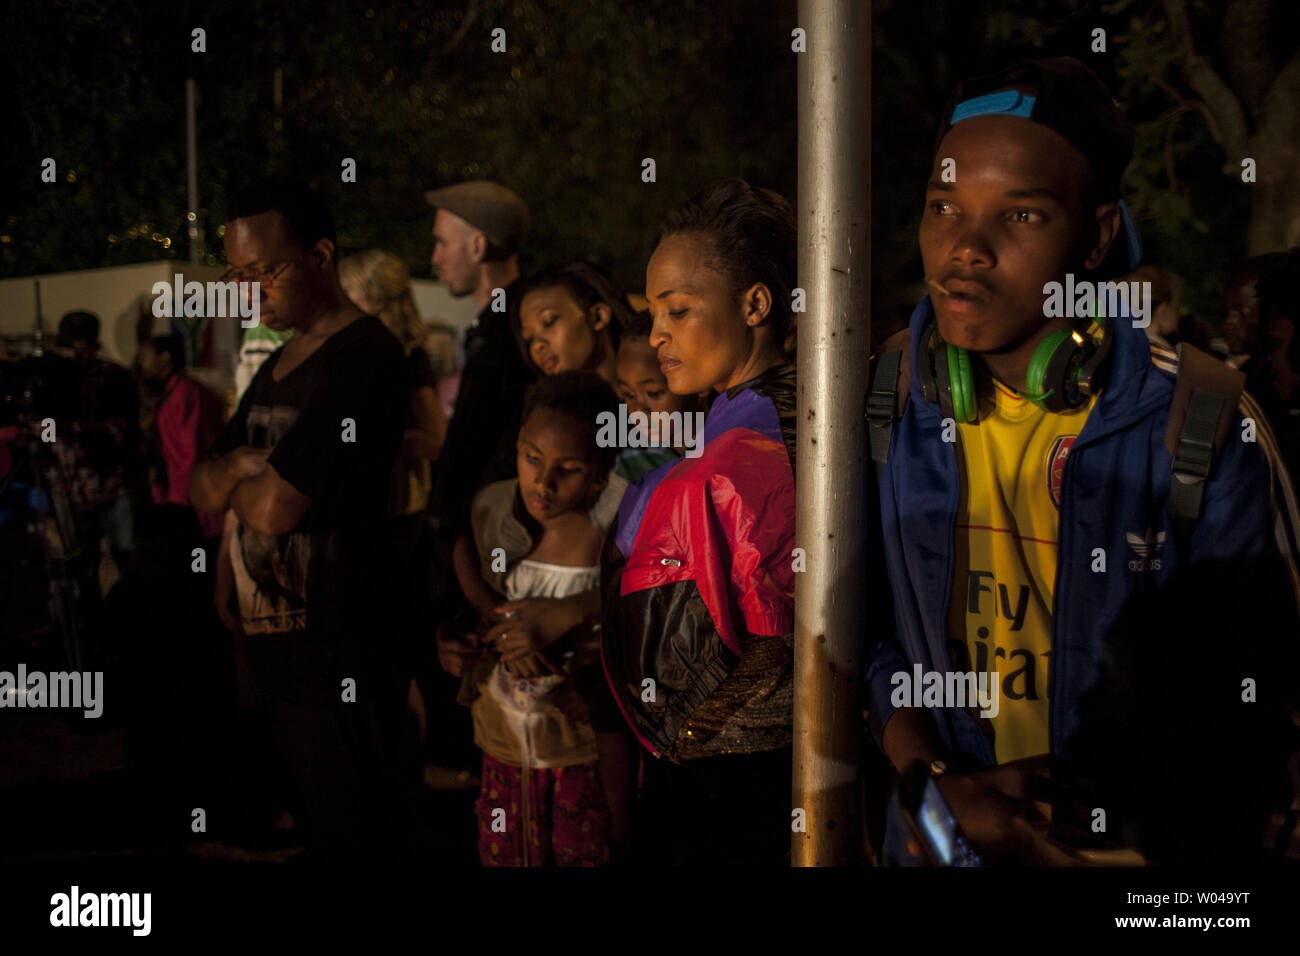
442	575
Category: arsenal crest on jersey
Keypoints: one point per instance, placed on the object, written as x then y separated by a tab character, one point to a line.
1056	466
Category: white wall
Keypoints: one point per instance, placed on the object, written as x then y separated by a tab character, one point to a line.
116	294
435	302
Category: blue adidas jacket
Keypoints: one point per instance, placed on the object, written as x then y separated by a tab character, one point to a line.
1115	485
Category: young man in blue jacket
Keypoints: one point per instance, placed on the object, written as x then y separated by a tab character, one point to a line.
1024	494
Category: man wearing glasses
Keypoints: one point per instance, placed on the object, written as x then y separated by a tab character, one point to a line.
304	464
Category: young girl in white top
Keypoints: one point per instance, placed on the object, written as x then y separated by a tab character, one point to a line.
535	536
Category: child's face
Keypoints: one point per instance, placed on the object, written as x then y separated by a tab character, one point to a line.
699	333
641	384
557	472
1009	223
559	335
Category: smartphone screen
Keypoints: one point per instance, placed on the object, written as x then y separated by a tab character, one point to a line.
937	824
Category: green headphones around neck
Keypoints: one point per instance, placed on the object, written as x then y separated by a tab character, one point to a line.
1066	368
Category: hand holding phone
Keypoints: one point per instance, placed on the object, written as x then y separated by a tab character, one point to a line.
931	820
1001	811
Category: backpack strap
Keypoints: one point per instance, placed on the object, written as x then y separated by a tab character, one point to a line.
1282	495
887	397
1205	401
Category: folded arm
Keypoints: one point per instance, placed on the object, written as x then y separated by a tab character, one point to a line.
243	481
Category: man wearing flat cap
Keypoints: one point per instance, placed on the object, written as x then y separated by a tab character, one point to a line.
478	229
476	234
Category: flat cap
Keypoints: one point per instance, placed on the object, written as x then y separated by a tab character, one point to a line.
490	207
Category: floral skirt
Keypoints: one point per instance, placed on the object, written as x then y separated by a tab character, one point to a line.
553	816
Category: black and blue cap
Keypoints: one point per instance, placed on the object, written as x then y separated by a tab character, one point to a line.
1063	94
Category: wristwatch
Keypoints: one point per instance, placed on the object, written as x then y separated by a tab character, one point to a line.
937	768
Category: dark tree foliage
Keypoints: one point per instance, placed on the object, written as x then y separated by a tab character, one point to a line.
585	91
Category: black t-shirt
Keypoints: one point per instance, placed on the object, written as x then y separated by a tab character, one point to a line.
406	471
104	459
335	423
420	368
480	446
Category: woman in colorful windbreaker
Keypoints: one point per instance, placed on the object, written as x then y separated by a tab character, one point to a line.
697	582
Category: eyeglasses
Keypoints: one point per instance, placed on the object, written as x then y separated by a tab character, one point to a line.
266	279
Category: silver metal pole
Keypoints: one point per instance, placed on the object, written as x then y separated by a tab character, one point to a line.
192	164
833	345
38	333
